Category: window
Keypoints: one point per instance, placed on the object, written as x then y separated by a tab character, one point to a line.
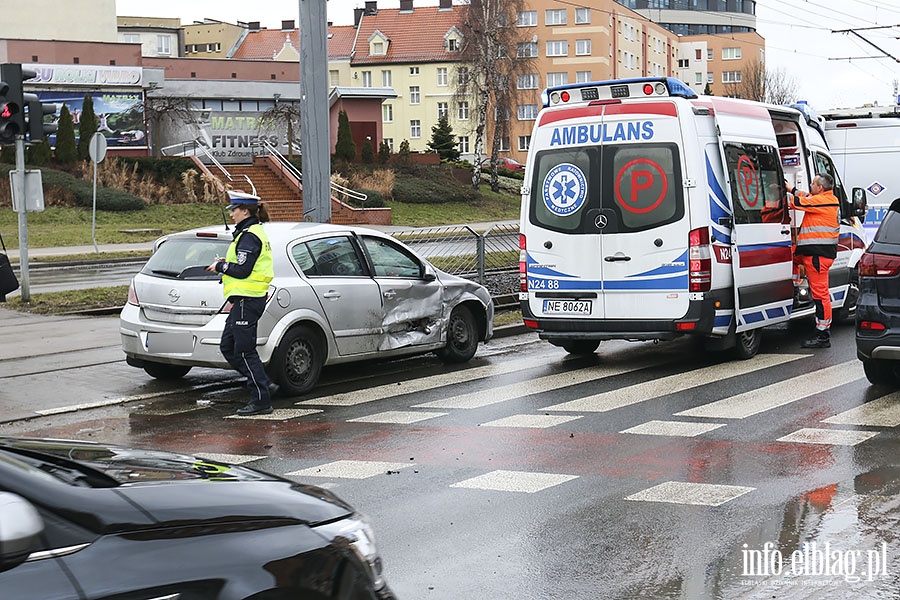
463	141
709	54
367	79
526	49
752	195
462	111
524	143
698	78
413	94
731	53
698	54
389	260
528	112
386	79
731	76
683	63
504	144
710	78
443	109
389	142
334	78
378	48
555	16
554	79
334	257
413	71
527	18
582	47
387	113
442	76
583	76
133	38
529	81
452	45
582	16
415	128
462	75
162	44
558	48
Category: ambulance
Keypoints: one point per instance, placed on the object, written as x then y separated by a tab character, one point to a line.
649	213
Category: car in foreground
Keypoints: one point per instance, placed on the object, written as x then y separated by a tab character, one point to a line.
878	307
340	294
93	521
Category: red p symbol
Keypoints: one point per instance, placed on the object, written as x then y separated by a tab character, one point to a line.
640	181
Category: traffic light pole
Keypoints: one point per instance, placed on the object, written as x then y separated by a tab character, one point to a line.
23	219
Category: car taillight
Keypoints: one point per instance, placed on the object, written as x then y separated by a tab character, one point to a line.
871	326
523	275
878	265
226	308
700	261
132	296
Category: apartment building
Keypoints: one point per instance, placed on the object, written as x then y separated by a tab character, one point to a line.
213	39
157	36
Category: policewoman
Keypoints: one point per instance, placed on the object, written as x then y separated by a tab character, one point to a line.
246	272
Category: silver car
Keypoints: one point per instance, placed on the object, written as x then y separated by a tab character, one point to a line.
340	294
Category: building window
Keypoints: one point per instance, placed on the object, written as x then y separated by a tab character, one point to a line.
443	109
414	71
378	48
527	112
582	16
462	75
698	78
162	44
554	79
504	144
386	79
582	47
367	79
698	54
387	113
526	49
710	78
413	94
217	47
528	81
731	53
709	54
415	128
462	111
389	142
452	45
132	38
731	76
526	18
558	48
524	143
583	76
463	141
334	78
442	76
555	16
684	63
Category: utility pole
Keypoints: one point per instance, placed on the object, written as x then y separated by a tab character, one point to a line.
858	29
315	137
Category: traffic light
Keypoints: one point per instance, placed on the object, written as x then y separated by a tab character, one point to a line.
12	109
36	126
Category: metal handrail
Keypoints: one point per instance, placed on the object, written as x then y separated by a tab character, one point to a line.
193	146
336	188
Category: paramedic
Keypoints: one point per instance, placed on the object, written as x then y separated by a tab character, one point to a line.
817	241
246	272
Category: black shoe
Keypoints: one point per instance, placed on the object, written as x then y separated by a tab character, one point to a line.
273	389
253	409
823	340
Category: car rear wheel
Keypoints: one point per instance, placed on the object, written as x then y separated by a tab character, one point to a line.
879	372
164	371
580	346
297	363
462	337
747	344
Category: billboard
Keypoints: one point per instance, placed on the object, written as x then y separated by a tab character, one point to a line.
120	115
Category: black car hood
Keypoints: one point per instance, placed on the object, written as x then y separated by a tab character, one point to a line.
130	489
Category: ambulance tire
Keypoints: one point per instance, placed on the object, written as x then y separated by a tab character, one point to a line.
164	371
879	372
580	347
746	344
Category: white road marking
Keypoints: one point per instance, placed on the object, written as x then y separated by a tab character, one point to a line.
234	459
279	414
681	492
679	382
778	394
534	421
514	481
673	428
397	416
882	412
832	437
351	469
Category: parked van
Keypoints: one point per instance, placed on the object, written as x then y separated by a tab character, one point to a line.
649	213
865	145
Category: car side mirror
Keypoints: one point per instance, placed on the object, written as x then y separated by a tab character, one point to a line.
20	528
428	273
859	204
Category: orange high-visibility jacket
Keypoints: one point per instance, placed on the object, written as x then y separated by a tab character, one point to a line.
818	233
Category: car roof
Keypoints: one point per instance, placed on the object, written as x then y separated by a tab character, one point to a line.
284	229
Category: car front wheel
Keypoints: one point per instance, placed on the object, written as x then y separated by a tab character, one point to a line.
297	363
462	337
164	371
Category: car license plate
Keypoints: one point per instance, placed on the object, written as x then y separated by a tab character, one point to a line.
169	343
567	307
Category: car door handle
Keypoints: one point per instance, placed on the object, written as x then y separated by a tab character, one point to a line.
389	294
617	258
331	294
785	231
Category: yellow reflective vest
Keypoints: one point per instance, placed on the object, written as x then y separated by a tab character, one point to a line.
256	284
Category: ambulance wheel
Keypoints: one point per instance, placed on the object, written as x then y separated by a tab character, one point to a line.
164	371
580	346
747	344
879	372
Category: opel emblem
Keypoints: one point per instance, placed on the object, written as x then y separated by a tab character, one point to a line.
174	296
601	221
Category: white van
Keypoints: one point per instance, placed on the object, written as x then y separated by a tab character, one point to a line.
649	213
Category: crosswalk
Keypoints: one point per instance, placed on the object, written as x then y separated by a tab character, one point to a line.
539	379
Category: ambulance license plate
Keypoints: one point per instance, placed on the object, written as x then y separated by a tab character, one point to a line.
170	343
567	307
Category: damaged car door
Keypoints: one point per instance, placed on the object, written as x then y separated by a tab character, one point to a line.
411	295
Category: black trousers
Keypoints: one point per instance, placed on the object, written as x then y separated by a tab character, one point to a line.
239	346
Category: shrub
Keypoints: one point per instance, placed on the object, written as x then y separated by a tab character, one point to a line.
379	180
71	190
439	186
374	199
367	152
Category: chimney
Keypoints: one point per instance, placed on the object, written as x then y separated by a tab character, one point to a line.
253	25
371	7
287	25
357	15
445	5
407	6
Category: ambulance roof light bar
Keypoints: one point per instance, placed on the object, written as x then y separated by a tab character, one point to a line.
615	89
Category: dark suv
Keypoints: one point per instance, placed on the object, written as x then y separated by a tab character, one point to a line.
878	307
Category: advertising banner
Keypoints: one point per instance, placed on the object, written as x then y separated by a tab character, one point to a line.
120	115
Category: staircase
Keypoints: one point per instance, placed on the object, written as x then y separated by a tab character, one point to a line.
282	195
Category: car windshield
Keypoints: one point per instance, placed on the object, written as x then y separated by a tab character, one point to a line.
186	258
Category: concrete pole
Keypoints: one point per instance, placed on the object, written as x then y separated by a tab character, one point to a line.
314	114
25	285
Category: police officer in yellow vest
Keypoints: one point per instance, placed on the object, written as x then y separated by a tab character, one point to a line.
246	272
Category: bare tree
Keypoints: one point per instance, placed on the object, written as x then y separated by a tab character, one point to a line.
287	113
763	85
159	109
781	88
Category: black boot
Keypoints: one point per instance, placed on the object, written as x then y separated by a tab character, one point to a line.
822	340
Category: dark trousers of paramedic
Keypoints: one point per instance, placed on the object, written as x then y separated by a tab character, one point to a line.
817	275
238	346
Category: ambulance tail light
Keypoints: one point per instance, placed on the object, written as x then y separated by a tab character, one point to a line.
700	261
878	265
523	274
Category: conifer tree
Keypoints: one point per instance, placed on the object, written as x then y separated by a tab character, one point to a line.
367	152
384	152
344	149
87	127
66	151
442	139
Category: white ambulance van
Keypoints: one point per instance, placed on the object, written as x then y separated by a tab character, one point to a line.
649	213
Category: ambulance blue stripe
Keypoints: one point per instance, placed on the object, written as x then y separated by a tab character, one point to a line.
775	313
718	204
722	321
754	317
676	284
838	295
